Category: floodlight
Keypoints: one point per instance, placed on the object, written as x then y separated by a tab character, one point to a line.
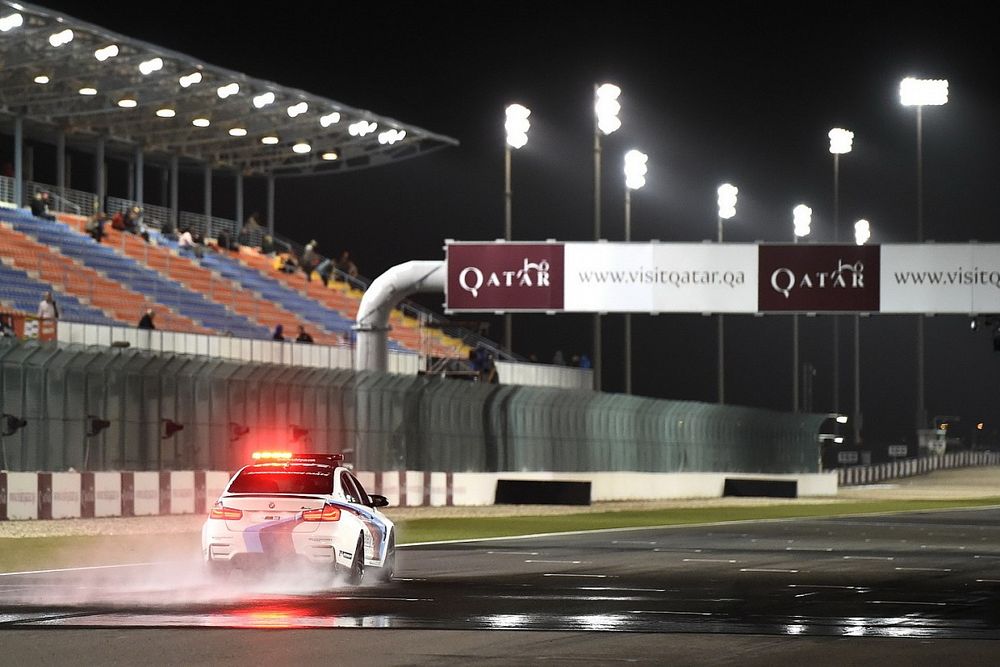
297	109
11	21
149	66
109	51
802	218
190	79
923	92
269	140
361	128
41	78
607	107
262	100
391	136
841	141
166	113
301	148
862	232
330	155
635	169
87	90
238	132
229	89
60	38
517	125
128	103
329	119
201	122
727	200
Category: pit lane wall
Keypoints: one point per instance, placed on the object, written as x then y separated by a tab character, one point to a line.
72	495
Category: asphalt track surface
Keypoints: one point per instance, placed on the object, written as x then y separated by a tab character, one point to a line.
914	588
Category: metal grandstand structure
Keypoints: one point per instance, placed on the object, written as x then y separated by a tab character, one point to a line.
64	74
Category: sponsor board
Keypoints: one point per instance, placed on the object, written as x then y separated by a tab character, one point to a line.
818	278
723	278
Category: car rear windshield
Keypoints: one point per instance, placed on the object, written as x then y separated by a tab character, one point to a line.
283	480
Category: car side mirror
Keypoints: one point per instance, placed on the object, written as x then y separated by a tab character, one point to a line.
378	501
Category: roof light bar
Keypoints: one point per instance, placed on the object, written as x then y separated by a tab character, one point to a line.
271	456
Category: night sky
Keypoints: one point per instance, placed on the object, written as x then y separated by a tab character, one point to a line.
743	92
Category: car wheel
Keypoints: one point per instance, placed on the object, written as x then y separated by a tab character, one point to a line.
389	567
358	564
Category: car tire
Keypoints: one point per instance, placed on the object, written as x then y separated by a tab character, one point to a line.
389	566
357	573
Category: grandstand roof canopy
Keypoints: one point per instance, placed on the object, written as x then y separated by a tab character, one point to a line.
67	74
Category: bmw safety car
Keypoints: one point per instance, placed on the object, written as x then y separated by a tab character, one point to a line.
308	508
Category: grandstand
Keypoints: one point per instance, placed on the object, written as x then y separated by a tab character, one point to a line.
156	109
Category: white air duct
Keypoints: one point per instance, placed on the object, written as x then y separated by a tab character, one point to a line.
372	327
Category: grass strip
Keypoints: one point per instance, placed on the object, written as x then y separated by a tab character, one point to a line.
43	553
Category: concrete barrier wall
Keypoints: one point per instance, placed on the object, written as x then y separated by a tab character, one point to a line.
856	475
25	496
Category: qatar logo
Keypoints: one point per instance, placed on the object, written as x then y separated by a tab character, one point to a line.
505	276
817	278
846	276
532	274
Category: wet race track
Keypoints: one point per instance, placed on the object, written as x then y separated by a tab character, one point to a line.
928	575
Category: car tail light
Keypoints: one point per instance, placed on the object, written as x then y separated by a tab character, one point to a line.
326	513
227	513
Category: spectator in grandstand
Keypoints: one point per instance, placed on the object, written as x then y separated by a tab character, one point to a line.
279	332
252	231
303	336
146	321
287	264
347	265
95	225
187	244
325	270
558	359
47	308
225	241
40	206
585	361
267	244
134	223
6	326
309	259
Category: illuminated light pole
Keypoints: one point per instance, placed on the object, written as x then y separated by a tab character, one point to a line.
606	121
920	93
862	232
801	219
727	210
635	178
517	137
841	142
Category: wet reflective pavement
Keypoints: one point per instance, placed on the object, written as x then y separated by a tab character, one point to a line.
915	575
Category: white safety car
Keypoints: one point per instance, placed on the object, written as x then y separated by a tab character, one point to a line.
299	507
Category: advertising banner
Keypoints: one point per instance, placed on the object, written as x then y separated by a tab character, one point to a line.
941	278
723	278
504	276
661	277
819	278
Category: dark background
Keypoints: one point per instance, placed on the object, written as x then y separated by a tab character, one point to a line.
743	92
